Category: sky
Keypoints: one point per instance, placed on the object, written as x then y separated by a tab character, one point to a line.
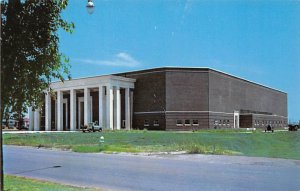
254	40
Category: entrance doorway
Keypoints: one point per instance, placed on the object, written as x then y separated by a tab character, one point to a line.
236	119
80	111
66	115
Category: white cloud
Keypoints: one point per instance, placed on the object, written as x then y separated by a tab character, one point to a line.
120	59
187	5
186	10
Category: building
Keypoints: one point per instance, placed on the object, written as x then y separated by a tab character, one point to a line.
167	98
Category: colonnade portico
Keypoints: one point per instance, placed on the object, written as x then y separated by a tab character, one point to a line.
76	104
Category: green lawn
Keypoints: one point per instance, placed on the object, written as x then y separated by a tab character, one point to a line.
14	183
230	142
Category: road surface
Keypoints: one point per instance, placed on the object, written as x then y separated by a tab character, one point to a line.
151	173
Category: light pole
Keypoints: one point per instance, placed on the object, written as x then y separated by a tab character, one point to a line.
90	7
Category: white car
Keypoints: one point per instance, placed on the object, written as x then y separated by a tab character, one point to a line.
92	127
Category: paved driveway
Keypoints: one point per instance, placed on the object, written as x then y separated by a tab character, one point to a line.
175	172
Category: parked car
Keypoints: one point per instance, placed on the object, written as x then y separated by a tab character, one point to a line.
11	124
269	129
91	127
23	127
293	127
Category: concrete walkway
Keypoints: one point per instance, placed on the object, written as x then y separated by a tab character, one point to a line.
30	132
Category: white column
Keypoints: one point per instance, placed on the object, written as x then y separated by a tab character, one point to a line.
117	109
109	107
36	120
87	105
73	110
59	110
101	106
127	108
31	118
48	111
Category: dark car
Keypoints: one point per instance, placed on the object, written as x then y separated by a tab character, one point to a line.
23	127
293	127
269	129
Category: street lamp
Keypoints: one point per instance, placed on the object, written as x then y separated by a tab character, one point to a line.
90	7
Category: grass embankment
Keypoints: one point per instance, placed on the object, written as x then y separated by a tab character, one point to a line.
228	142
14	183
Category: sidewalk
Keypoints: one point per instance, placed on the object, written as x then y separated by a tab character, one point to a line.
28	132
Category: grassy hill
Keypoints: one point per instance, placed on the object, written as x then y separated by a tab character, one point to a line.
282	144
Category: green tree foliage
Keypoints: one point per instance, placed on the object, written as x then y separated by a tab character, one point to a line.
30	56
30	50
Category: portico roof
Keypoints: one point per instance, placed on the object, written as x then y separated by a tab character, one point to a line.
92	82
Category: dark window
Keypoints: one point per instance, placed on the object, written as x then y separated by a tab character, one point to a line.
155	123
187	122
195	122
146	122
179	122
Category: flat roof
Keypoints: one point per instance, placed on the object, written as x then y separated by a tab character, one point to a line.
173	68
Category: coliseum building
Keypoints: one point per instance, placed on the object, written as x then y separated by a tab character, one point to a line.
167	98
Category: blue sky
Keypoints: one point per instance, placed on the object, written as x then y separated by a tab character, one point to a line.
255	40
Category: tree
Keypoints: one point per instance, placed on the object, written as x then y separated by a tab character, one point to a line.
30	56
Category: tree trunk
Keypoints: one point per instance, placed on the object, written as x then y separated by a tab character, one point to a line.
1	144
1	155
1	116
1	148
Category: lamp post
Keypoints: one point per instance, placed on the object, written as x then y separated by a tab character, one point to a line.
90	7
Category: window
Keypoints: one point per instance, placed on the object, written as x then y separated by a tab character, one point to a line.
187	122
156	123
146	122
228	122
179	122
195	122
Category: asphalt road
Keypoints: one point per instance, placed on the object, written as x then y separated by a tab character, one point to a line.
164	172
